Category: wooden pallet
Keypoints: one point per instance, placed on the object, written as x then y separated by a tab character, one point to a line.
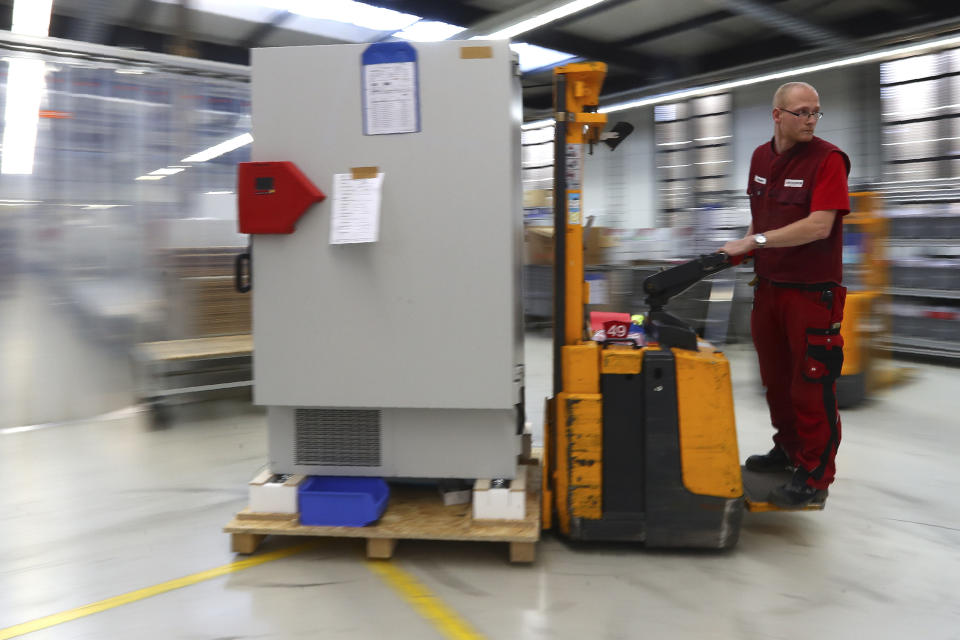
413	513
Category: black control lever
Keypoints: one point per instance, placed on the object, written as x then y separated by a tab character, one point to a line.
663	327
666	284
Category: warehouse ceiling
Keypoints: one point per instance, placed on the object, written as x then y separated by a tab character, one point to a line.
646	43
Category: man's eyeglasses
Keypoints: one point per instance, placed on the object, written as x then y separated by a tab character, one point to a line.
804	114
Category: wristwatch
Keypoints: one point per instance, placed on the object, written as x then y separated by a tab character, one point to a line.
760	239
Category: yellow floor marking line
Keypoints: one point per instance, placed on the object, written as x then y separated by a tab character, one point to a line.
148	592
450	624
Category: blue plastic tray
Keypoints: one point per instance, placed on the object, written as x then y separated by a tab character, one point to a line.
339	501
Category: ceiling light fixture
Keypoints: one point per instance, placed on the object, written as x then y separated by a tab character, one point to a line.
685	94
429	31
534	57
529	24
942	43
218	150
31	17
25	85
360	14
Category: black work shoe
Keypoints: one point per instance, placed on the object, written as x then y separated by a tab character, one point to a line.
775	460
797	494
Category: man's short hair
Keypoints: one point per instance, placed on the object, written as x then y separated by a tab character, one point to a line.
781	93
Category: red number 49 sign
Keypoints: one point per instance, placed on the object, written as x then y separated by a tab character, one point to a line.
616	329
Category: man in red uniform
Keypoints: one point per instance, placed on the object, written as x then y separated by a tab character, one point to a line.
798	195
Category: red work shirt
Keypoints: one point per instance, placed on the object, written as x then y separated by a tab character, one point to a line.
787	187
830	189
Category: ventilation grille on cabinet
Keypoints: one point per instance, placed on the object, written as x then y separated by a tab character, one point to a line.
337	437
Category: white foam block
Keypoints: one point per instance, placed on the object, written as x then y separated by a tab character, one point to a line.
501	504
267	495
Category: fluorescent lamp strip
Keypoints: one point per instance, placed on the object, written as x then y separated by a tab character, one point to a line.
676	96
539	20
31	17
25	85
218	150
726	86
429	31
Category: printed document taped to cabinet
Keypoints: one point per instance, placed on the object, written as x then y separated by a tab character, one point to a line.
356	209
390	98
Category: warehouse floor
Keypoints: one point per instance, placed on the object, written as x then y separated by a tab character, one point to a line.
108	512
52	367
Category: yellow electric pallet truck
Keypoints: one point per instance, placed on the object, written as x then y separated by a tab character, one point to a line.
640	441
865	368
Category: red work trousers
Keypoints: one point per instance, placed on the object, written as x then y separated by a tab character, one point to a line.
796	333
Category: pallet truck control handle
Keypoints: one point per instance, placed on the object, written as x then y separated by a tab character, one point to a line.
664	285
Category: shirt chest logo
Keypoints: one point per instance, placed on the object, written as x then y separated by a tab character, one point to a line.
793	183
759	179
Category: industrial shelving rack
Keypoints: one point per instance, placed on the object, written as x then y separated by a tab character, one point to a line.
920	100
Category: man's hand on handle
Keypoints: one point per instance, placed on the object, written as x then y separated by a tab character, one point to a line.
739	247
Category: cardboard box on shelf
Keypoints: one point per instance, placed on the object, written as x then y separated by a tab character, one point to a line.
538	245
538	198
212	307
600	244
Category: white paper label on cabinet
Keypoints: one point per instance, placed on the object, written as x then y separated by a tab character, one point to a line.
391	101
